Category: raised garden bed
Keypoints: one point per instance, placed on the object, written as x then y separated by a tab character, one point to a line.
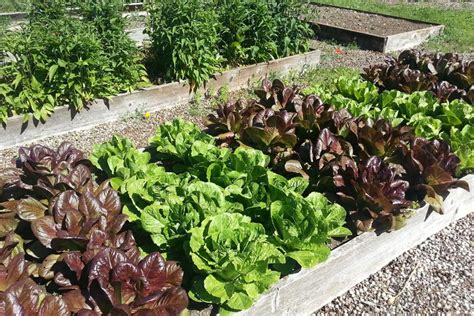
181	149
309	290
152	99
371	31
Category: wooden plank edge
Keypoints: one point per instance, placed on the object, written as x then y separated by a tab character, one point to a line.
364	40
385	44
411	39
13	15
309	290
152	99
343	29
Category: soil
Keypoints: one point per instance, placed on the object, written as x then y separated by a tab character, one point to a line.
366	22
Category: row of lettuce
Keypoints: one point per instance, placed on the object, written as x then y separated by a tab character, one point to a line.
216	217
70	244
429	117
368	155
71	52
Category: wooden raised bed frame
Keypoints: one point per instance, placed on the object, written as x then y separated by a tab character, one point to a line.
152	99
375	42
307	291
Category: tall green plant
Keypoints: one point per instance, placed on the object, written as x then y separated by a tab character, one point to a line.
123	54
293	34
64	57
57	63
46	10
248	31
192	39
184	35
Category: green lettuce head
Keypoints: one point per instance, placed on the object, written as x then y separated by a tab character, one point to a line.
232	255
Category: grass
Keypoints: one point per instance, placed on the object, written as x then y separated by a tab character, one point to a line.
13	5
459	32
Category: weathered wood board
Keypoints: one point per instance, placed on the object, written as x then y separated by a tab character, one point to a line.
153	99
309	290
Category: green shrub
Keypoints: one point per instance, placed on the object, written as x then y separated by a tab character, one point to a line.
60	59
193	39
184	36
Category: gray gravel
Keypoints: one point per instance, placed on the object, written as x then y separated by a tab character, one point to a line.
336	55
435	277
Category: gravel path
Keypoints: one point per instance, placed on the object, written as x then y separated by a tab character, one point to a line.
435	277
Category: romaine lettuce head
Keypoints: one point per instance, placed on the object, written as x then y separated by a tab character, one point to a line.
231	256
169	220
303	226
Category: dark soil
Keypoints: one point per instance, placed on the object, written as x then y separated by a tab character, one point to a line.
365	22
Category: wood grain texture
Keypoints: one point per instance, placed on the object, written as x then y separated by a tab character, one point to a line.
309	290
411	39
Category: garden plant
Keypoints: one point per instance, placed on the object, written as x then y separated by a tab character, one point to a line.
276	180
64	248
187	204
194	39
377	171
69	58
72	52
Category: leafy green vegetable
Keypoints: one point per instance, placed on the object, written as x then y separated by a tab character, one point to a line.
430	118
447	76
231	256
62	230
364	163
302	225
462	142
222	205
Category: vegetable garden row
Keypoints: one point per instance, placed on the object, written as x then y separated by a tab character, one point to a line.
213	216
218	216
71	57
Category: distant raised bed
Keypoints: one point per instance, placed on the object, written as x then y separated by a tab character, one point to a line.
371	31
